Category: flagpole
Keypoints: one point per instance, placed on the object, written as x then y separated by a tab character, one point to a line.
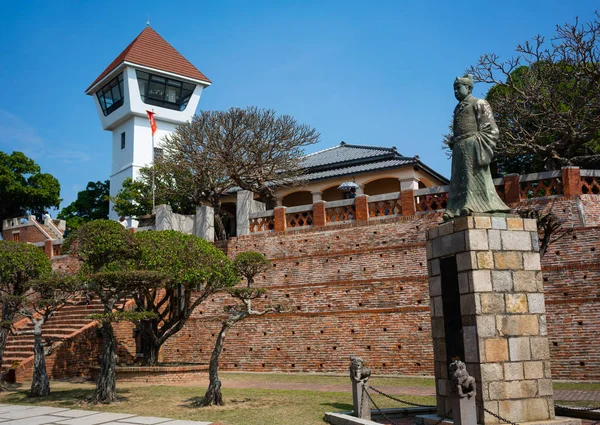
153	185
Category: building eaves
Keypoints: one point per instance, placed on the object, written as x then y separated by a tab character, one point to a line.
150	50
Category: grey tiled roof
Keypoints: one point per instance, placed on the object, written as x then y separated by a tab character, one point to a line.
380	165
345	153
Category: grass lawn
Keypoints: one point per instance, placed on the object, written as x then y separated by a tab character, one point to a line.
243	406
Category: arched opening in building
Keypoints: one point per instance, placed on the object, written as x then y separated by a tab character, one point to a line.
302	197
332	194
380	186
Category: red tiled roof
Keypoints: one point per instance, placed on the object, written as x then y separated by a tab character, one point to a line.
151	50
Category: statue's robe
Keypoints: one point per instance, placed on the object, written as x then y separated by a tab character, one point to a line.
475	135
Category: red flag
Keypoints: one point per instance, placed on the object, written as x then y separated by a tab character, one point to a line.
152	122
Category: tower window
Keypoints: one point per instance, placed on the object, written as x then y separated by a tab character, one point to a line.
164	92
111	95
123	140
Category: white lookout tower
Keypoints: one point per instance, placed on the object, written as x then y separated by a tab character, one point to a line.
148	75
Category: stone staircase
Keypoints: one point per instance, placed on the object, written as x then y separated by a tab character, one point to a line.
67	322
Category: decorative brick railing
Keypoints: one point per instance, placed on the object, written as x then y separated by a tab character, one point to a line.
301	216
539	185
338	211
512	188
590	182
431	199
385	205
262	221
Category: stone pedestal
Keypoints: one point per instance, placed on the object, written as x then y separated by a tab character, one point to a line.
487	308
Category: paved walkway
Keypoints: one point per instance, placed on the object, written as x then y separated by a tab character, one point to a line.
11	414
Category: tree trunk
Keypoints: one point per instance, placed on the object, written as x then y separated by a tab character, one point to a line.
213	396
8	314
106	384
150	350
40	384
220	232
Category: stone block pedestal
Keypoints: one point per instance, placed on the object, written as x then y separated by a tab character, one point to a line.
487	308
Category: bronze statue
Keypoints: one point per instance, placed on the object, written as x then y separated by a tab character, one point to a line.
474	140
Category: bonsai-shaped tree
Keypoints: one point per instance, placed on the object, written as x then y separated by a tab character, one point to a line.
47	296
19	264
109	252
196	270
247	265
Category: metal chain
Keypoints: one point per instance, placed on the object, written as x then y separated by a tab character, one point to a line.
399	400
377	407
494	415
578	409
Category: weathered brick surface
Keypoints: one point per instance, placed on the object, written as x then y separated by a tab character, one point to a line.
372	276
26	234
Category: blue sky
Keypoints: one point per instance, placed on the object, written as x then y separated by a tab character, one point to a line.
372	73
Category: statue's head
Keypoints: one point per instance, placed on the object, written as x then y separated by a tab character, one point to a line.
463	86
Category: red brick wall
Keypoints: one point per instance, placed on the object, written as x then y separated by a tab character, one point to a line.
362	289
26	234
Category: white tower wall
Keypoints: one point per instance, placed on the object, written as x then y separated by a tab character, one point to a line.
131	118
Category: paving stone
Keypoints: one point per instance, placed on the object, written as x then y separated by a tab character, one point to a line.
99	418
179	422
34	411
70	413
36	420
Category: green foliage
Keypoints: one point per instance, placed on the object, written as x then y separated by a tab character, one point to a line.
20	263
245	293
250	263
103	244
24	188
123	316
188	260
54	290
134	199
91	204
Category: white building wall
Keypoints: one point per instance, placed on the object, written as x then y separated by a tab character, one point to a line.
132	119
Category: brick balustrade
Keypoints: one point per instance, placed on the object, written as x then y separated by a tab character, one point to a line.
514	188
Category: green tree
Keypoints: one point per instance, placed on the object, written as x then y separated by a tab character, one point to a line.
247	265
20	263
91	204
253	149
546	100
24	188
45	297
196	270
108	252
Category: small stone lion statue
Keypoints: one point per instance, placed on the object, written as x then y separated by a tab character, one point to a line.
465	384
358	371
